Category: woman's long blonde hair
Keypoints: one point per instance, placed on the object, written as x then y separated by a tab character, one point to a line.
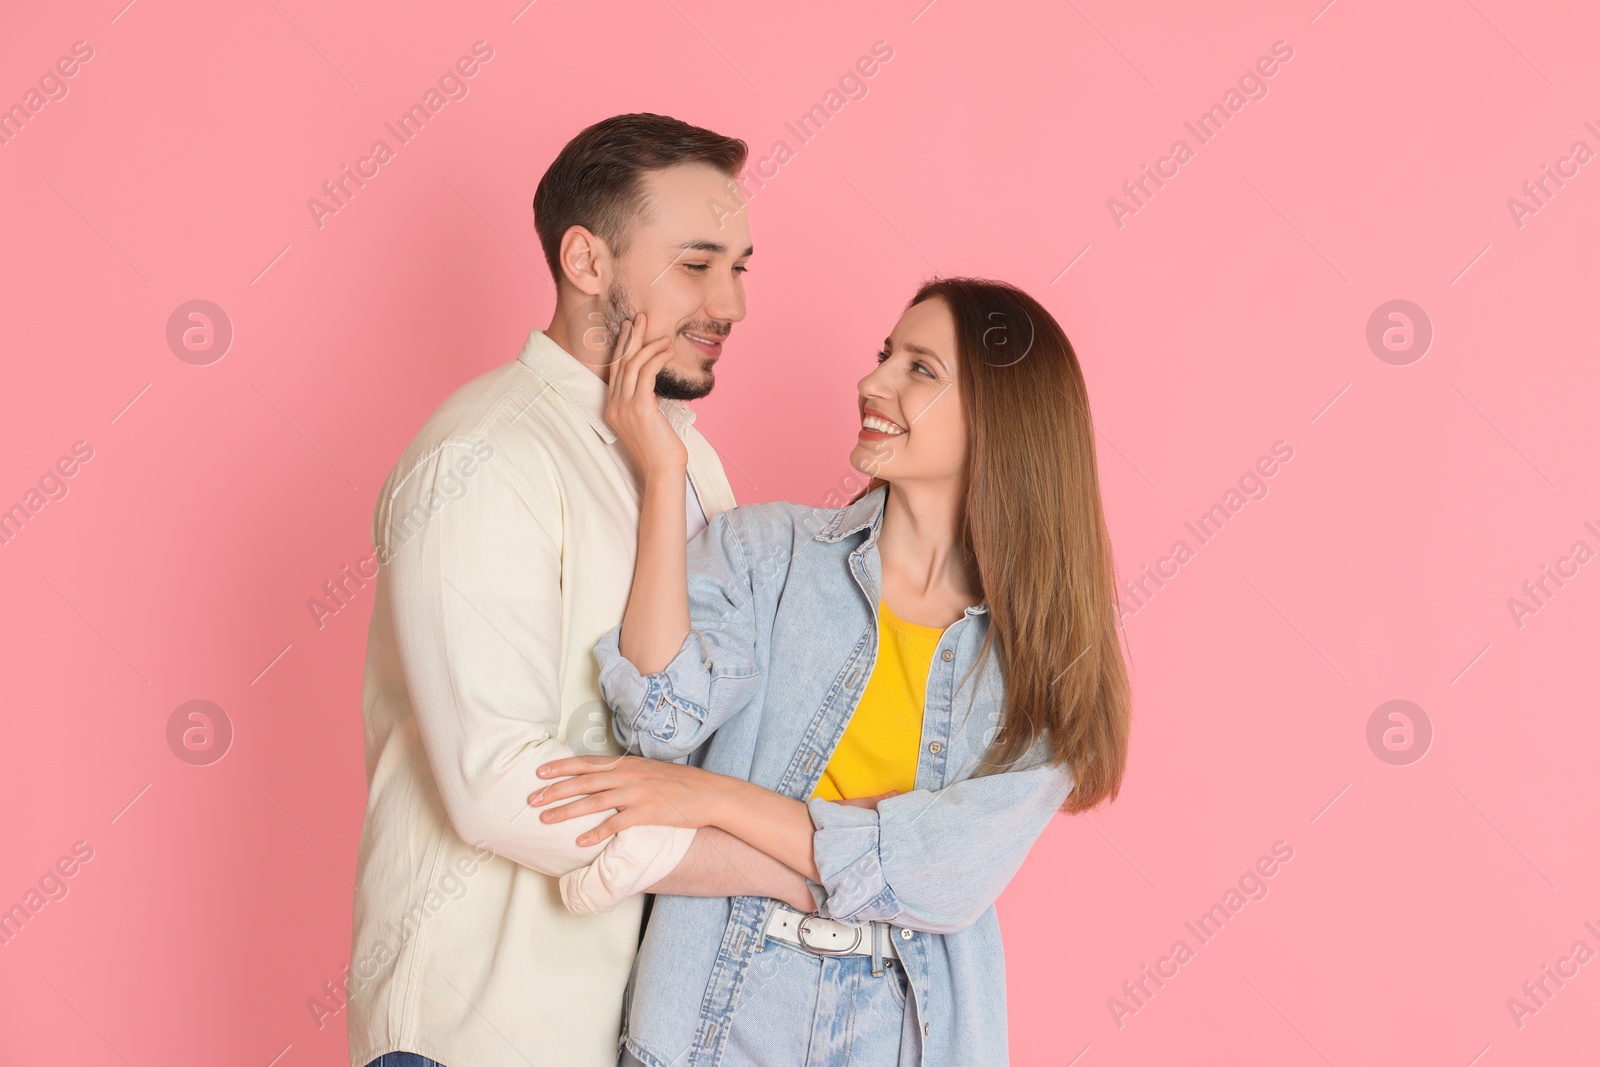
1034	525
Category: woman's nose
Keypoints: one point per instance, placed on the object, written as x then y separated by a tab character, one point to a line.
872	385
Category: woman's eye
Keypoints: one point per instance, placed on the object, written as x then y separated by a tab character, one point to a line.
881	356
923	367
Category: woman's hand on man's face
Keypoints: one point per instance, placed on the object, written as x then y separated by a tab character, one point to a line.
632	407
644	792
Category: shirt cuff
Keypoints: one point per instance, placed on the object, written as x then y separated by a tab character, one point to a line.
632	861
852	886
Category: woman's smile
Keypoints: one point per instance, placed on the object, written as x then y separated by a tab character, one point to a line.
877	427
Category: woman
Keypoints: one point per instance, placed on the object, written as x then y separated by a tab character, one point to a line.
892	698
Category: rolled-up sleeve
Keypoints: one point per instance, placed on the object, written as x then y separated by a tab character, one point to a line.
714	673
473	562
932	860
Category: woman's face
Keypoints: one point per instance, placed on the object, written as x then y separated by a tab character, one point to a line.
910	405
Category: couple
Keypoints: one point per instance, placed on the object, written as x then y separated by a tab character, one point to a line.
850	723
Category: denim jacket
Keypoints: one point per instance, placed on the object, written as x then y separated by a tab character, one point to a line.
783	603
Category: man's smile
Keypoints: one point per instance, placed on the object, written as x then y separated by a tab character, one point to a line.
710	347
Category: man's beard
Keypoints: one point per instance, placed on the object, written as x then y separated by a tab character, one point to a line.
620	308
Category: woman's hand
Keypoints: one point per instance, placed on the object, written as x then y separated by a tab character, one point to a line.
869	802
632	408
644	792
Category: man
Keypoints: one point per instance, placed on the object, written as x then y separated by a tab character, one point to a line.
507	533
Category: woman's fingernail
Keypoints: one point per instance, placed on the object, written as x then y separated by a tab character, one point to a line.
544	772
537	798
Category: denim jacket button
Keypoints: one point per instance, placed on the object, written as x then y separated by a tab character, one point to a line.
947	655
905	935
935	747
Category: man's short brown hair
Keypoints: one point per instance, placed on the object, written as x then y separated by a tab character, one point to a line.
596	181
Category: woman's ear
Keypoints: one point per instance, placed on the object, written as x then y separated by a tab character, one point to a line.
585	261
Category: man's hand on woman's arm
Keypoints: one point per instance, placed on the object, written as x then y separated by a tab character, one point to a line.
649	792
748	836
749	841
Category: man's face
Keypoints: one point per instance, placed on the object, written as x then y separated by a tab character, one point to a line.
684	268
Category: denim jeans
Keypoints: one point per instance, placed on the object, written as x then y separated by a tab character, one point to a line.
798	1009
403	1059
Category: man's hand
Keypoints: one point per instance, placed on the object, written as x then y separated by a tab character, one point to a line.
632	408
644	792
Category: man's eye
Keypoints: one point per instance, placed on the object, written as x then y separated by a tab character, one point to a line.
741	270
697	266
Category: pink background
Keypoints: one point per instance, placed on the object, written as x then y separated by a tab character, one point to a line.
1228	313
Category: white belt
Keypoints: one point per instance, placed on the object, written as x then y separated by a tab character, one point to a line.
830	937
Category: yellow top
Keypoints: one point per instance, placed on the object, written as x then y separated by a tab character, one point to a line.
883	740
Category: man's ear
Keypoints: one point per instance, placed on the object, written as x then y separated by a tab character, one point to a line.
585	260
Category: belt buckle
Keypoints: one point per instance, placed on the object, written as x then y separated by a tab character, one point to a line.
800	933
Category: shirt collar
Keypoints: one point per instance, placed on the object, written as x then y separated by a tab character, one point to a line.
583	389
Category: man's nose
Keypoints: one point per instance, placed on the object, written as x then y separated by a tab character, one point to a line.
725	303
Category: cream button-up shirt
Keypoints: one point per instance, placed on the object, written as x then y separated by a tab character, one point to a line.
506	536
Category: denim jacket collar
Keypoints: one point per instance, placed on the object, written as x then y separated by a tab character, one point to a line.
857	515
583	389
866	513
